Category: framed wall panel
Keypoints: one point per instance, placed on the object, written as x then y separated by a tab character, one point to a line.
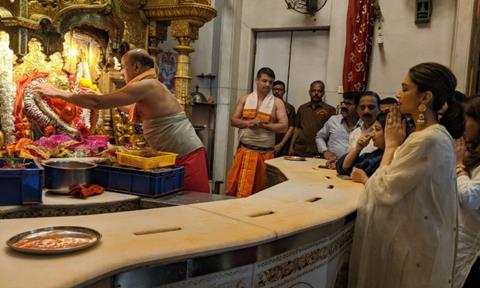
297	58
308	63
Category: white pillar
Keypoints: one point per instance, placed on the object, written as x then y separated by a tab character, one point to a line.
462	34
226	40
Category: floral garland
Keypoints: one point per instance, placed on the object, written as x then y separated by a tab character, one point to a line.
7	90
85	114
40	112
85	117
99	124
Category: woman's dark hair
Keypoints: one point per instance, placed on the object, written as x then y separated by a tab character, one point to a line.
382	118
472	110
439	80
460	97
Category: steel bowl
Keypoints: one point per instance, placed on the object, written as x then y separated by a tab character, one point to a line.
59	175
294	158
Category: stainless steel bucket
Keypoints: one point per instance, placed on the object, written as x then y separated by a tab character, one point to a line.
59	175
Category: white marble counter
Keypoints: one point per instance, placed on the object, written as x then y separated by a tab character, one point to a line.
312	197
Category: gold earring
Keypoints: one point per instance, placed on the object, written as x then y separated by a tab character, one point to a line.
421	117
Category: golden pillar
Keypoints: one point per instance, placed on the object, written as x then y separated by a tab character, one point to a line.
185	18
185	33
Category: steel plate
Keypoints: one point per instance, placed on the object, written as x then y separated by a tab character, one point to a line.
54	240
294	158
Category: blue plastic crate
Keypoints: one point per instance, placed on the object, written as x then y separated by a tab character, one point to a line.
21	186
139	182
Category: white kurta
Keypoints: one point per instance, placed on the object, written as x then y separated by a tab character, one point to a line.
468	247
406	225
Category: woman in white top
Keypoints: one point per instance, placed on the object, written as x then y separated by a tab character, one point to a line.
406	224
468	185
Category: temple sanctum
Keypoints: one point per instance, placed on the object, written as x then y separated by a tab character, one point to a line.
246	143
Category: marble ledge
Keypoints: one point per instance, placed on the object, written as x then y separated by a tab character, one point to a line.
128	241
55	200
310	198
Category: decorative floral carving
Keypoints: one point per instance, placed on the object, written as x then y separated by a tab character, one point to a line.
34	60
48	3
316	256
194	11
132	6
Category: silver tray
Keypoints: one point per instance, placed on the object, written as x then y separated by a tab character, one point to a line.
294	158
84	238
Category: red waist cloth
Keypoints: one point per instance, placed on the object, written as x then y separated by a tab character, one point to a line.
196	174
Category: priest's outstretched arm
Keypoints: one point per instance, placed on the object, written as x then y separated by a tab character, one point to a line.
127	95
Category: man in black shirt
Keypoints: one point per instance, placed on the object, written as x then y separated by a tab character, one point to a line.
310	118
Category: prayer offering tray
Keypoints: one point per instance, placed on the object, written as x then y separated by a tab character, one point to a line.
294	158
54	240
146	159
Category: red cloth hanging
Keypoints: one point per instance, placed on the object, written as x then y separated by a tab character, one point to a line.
358	46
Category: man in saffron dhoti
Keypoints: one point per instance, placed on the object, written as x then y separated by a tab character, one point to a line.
259	116
165	126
